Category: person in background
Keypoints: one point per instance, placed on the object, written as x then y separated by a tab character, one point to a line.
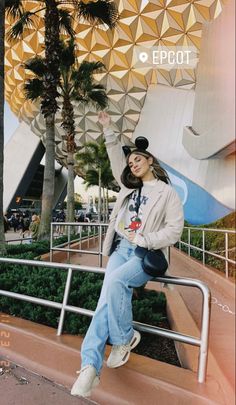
61	217
6	223
34	227
14	221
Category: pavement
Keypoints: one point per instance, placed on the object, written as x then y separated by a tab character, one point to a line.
15	237
19	386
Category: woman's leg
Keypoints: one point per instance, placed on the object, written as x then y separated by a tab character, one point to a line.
113	315
119	299
92	350
124	271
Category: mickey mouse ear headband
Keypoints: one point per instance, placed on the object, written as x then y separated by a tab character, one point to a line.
141	144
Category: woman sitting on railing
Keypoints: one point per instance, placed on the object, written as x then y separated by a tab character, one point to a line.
146	219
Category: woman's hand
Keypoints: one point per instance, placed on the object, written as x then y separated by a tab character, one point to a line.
104	119
131	236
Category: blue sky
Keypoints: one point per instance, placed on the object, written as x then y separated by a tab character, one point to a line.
10	123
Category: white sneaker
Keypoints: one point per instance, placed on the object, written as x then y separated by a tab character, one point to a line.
86	381
120	354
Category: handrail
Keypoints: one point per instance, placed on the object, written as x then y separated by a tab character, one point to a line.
195	228
188	244
201	342
88	237
21	240
202	249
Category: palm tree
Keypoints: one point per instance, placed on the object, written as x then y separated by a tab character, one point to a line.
56	18
95	162
11	6
76	84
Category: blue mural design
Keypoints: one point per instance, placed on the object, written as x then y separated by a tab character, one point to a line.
200	207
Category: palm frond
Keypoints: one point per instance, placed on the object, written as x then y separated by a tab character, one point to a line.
99	12
89	154
91	178
14	8
36	65
84	158
79	98
25	21
83	75
65	22
91	67
33	89
99	98
67	57
99	86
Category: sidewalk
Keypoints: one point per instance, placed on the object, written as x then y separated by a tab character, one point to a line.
11	235
20	387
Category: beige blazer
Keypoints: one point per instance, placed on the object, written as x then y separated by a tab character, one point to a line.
162	220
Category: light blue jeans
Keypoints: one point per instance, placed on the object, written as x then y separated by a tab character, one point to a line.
112	320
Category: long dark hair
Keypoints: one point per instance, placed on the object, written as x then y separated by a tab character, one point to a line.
130	181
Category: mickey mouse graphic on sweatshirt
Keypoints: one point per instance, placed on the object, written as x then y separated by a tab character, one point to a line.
130	216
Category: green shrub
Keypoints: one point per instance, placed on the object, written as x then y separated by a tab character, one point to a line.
49	284
37	248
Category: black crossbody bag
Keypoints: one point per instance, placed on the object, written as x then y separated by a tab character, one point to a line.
154	262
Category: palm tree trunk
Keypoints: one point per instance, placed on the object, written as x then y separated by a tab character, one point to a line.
70	214
49	179
49	108
68	125
2	36
99	193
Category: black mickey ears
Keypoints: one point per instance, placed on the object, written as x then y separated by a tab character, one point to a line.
141	143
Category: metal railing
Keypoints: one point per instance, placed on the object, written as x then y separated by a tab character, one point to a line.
20	240
63	306
90	236
94	232
202	249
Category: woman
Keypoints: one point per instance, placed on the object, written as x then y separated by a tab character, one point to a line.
34	227
147	213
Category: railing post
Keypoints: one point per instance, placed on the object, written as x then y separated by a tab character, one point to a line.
88	228
64	303
203	353
189	241
68	238
100	246
203	248
51	243
80	237
226	254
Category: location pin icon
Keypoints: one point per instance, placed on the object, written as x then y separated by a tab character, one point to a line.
143	57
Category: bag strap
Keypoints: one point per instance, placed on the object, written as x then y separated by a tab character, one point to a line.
138	201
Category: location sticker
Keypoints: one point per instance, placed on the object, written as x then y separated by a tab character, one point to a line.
143	57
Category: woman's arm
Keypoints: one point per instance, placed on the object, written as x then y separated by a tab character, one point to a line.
114	148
